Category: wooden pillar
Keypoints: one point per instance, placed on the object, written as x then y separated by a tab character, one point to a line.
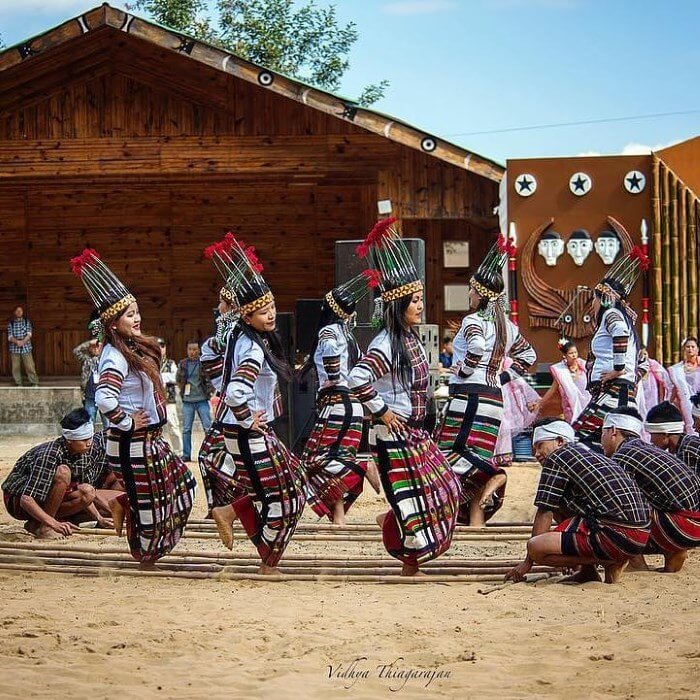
656	262
666	265
683	259
693	298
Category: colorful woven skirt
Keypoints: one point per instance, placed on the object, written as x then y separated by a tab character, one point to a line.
223	483
467	435
423	493
159	490
604	398
271	509
599	539
330	455
673	532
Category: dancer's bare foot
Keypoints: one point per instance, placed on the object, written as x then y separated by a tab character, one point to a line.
585	574
31	526
224	517
266	570
380	519
372	476
638	563
148	565
673	563
613	572
410	570
118	515
338	513
492	485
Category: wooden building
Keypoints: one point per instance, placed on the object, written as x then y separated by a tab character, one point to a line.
148	145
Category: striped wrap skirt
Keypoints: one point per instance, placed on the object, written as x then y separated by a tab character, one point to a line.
423	493
223	483
467	434
673	532
601	539
330	454
604	398
159	490
270	510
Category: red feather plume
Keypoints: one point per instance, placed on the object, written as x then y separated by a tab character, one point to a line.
80	262
505	245
638	254
362	250
373	278
252	258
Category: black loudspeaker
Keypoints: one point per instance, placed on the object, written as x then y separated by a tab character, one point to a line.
348	265
307	317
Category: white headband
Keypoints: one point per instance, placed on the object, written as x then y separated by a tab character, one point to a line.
84	432
552	431
674	427
624	422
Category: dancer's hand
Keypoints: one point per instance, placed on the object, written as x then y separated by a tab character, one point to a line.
454	369
259	420
611	376
393	422
518	573
140	419
534	406
106	523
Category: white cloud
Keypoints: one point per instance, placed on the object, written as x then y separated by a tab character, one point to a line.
587	153
419	7
641	149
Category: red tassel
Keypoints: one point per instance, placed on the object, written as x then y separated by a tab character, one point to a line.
252	258
373	278
379	231
78	263
638	254
505	245
362	250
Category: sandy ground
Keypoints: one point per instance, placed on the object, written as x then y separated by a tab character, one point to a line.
67	636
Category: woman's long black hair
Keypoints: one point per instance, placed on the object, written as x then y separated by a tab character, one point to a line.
493	280
393	322
271	345
328	316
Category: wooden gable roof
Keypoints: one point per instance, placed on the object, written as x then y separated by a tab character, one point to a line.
26	67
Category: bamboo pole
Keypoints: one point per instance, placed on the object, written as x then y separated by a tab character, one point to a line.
683	257
374	529
223	576
58	546
322	537
666	265
657	266
252	568
674	270
372	525
693	245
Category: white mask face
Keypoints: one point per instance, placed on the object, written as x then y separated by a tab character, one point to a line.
579	249
607	248
550	249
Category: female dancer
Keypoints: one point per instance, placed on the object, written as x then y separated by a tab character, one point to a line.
685	376
469	428
569	380
216	465
330	455
614	358
159	489
274	493
391	380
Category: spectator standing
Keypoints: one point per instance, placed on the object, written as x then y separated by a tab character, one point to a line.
168	373
88	353
195	390
446	352
19	338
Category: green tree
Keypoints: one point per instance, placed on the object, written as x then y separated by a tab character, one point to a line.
306	43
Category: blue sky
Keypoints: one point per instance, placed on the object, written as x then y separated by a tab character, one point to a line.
462	66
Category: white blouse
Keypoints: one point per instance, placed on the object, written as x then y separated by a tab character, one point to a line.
614	348
332	356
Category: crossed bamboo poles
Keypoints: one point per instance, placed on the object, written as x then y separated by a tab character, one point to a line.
83	559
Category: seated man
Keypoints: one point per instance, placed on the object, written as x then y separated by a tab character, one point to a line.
605	517
670	486
55	482
665	425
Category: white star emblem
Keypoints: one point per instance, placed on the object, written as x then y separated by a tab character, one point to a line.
580	184
525	185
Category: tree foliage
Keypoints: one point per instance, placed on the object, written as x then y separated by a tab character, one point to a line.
305	42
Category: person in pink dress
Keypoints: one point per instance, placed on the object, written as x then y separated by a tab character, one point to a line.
685	376
569	379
